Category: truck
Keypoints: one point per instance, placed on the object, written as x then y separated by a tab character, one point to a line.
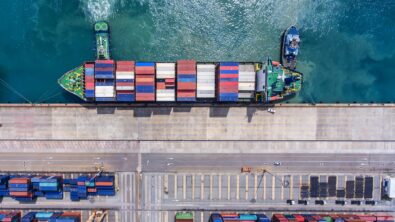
389	187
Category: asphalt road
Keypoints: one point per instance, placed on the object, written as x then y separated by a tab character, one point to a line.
68	162
288	162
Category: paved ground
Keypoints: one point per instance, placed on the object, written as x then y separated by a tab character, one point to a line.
198	123
173	158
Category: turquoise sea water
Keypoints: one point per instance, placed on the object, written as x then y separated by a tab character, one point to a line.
347	54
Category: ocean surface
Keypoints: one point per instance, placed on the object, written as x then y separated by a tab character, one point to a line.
347	54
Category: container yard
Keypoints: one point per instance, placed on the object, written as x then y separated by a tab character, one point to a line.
28	188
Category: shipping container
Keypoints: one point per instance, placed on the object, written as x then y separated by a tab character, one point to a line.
186	80
227	82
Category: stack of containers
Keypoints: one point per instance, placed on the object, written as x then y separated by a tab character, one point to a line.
205	81
51	186
105	185
186	80
89	80
228	82
84	186
184	217
246	82
248	217
7	216
68	217
230	217
52	217
4	186
104	84
263	218
279	218
165	81
125	81
20	188
145	81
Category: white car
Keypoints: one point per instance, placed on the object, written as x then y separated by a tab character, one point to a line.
277	163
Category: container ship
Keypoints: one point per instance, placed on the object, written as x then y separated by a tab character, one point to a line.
106	80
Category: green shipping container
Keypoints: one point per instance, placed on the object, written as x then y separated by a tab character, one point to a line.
184	215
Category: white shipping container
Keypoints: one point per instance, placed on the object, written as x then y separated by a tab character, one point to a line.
125	87
246	86
205	81
246	68
124	75
246	95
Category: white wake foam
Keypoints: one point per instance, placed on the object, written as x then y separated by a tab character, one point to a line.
97	10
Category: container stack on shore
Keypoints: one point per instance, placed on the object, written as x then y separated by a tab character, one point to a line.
48	186
83	186
89	71
104	84
4	192
125	81
205	81
165	82
20	188
52	217
184	217
246	82
105	185
186	80
145	81
228	82
10	216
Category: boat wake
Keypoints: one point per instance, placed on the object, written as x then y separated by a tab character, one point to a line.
98	10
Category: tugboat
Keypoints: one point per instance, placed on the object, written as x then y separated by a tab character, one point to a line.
290	48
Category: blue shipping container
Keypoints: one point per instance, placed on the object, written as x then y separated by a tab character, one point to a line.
229	64
228	79
145	64
126	97
104	99
145	89
103	65
229	72
187	80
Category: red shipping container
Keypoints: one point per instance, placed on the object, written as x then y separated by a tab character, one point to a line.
145	97
160	85
89	85
21	194
145	84
19	180
229	215
89	65
228	68
71	214
104	183
143	78
105	61
186	94
228	76
125	84
186	86
170	80
91	190
145	70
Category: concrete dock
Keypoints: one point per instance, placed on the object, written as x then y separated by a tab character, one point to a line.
153	143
